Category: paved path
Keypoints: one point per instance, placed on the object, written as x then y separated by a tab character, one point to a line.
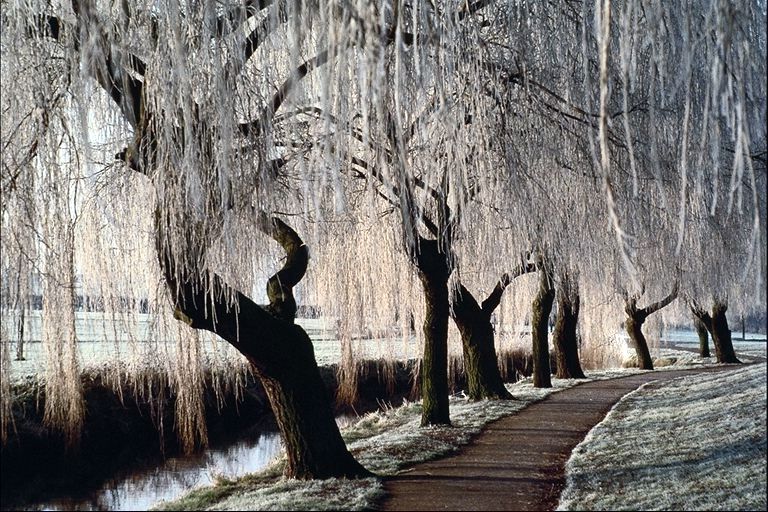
517	462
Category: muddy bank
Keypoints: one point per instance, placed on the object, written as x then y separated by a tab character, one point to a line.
121	437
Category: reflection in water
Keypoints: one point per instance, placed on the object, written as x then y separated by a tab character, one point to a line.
176	476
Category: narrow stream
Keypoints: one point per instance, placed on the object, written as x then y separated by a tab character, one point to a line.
175	476
143	488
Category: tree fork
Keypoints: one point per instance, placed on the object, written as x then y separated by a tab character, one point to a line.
636	317
481	365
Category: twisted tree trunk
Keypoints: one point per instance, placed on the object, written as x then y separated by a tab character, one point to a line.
433	270
279	351
481	364
565	335
542	307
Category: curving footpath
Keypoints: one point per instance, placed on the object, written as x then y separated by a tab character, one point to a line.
517	462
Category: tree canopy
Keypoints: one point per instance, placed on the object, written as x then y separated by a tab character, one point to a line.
146	145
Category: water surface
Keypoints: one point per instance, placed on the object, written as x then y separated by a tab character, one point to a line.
175	476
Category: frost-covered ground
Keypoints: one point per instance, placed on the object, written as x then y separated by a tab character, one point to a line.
384	442
694	443
131	342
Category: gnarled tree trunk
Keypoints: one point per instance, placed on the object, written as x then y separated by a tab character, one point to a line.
703	334
480	362
280	352
542	307
636	317
721	334
565	335
433	270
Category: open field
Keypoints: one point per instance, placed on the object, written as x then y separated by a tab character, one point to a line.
133	345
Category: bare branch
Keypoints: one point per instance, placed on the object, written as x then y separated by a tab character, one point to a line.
649	310
494	299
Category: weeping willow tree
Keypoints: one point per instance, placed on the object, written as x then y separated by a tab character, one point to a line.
449	109
702	138
598	136
169	96
655	112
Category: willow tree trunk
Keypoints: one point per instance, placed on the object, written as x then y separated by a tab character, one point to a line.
304	414
433	273
634	326
542	307
20	342
703	334
480	362
636	317
279	351
565	337
721	335
283	358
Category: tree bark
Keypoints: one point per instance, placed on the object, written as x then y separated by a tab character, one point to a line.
721	334
717	325
542	307
634	326
636	317
433	273
280	352
481	365
565	336
703	333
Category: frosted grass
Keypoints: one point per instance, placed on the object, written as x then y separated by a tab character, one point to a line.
385	442
694	443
